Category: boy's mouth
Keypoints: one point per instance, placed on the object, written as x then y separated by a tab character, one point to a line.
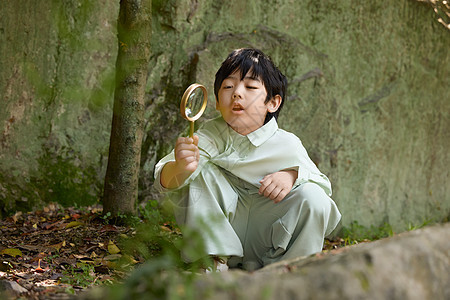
237	107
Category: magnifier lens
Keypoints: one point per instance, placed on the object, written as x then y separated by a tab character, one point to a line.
194	103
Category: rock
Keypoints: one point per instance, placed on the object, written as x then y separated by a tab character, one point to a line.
413	265
11	288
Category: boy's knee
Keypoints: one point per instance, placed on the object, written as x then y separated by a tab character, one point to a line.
313	199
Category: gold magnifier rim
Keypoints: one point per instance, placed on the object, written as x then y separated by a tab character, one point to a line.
185	98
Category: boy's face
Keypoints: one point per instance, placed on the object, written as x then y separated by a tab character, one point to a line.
241	103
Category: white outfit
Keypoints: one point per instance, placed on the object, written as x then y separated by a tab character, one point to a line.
223	193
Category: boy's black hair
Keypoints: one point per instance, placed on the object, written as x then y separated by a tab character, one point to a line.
260	66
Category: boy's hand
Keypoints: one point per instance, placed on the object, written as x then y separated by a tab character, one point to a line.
187	154
277	185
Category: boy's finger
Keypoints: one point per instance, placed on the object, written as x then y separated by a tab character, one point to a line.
265	182
274	194
195	140
269	190
183	153
185	140
280	196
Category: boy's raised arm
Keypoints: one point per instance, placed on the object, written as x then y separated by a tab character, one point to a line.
187	156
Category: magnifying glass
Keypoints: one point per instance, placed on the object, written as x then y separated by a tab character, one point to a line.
193	104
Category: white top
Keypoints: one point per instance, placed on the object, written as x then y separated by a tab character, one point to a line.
264	151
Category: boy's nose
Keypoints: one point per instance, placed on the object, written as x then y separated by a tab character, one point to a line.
238	91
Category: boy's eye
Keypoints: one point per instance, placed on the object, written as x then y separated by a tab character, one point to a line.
252	87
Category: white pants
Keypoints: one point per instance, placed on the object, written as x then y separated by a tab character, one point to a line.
236	221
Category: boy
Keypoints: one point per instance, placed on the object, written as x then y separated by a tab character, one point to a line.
253	184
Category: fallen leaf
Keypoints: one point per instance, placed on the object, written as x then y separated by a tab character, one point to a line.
112	257
101	269
112	248
16	216
109	228
74	224
57	246
11	252
76	216
86	260
129	259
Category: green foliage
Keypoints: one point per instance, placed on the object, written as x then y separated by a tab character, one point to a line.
82	276
159	236
164	275
425	223
356	233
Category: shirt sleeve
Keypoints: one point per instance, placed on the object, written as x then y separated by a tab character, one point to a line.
208	146
308	171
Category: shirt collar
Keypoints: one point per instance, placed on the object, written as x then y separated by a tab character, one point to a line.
262	134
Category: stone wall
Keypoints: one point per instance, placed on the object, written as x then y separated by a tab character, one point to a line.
368	94
56	85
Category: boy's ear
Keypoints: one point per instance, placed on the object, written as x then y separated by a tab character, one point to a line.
274	104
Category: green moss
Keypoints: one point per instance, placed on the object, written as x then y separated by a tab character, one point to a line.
63	179
60	178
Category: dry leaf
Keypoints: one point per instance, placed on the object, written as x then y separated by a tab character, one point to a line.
11	252
112	248
57	246
16	216
74	224
112	257
129	259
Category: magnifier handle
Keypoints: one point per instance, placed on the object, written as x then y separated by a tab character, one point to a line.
191	134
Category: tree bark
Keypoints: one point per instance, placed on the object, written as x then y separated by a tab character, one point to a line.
121	180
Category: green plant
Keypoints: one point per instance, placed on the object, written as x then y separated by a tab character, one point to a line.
83	275
164	275
356	233
50	258
414	227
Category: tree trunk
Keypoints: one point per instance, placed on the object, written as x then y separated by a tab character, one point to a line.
121	180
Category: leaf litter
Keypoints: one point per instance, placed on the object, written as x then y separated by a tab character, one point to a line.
59	250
